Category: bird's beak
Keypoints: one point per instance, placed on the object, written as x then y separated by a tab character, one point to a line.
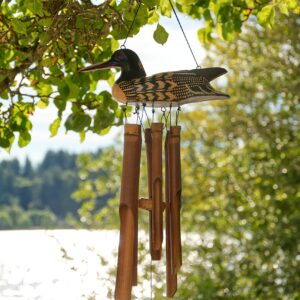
101	66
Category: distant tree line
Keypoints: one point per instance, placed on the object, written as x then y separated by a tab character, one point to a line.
39	196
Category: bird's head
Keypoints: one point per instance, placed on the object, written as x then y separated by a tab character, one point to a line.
127	60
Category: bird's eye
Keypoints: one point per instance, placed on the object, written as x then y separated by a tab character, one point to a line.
120	56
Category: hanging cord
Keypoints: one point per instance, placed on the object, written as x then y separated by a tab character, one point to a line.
170	115
144	110
151	280
124	109
153	111
163	116
177	115
131	25
139	119
184	34
137	113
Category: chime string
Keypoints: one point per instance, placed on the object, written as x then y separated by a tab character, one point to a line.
151	279
131	25
153	112
186	39
124	109
145	111
177	115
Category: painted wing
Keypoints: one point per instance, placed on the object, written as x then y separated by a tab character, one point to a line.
179	87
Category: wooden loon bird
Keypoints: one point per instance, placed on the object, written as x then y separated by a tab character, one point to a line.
159	90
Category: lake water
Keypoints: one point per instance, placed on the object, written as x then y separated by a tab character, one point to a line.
73	264
57	264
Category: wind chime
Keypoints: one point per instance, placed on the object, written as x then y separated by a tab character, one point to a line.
165	90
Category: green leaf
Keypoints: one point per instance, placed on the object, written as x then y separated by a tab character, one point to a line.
165	8
78	121
283	7
19	26
24	138
60	104
73	89
292	4
44	38
6	138
266	16
151	3
103	119
160	35
153	17
42	103
204	35
47	22
79	22
43	88
64	90
54	127
35	6
224	31
82	136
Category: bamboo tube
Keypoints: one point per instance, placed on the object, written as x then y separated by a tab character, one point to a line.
155	255
175	196
171	276
128	209
157	207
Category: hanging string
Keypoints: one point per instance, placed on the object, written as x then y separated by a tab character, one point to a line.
163	116
144	110
184	34
153	111
170	115
131	25
124	109
177	115
151	280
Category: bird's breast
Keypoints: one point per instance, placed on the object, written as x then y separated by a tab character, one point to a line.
118	94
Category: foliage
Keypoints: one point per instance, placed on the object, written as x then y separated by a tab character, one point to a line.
100	181
241	175
43	43
14	217
245	154
39	194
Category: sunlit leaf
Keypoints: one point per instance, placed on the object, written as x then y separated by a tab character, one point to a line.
24	138
54	126
160	35
266	16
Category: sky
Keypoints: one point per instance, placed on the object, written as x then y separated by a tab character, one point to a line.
173	55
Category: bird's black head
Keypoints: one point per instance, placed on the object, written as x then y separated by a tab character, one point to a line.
127	60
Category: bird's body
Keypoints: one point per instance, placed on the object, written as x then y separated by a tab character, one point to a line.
163	89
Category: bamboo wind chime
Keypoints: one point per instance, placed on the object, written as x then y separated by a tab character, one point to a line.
165	90
130	203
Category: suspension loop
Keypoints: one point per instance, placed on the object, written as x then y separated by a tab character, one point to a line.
177	114
124	109
131	25
163	116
